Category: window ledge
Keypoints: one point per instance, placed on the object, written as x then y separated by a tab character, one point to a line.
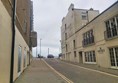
90	62
113	67
107	39
89	45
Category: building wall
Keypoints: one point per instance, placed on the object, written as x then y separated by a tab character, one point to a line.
5	44
19	41
23	18
103	59
79	22
73	22
21	38
100	43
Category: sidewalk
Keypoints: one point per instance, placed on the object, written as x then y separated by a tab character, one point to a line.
39	72
95	67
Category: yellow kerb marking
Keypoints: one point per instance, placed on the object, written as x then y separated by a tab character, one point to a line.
62	76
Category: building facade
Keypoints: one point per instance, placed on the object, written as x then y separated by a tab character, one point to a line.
92	38
24	40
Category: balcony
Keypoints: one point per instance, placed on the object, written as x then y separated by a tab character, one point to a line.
111	34
88	41
33	39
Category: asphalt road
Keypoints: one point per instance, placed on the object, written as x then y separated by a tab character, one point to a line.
80	75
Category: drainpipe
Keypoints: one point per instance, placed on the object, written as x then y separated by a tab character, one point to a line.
30	43
13	40
87	16
29	47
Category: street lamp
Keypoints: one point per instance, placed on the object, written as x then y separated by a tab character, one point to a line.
40	46
36	51
48	51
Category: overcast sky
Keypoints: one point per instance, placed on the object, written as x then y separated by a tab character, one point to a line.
47	20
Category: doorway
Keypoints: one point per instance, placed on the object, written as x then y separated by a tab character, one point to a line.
19	59
80	57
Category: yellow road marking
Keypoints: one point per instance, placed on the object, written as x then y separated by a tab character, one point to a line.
62	76
93	70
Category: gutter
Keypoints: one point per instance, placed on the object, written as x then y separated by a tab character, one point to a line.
13	40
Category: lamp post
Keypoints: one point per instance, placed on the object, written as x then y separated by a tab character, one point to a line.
40	46
36	52
48	51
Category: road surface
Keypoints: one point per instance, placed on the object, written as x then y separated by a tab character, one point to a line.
80	75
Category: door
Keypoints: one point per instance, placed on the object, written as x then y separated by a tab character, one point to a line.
25	53
27	58
80	57
114	57
19	59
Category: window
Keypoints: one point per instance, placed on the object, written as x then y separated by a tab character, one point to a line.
84	12
25	26
84	17
63	56
88	38
65	26
19	59
112	27
90	56
66	48
74	44
114	56
25	53
65	36
75	54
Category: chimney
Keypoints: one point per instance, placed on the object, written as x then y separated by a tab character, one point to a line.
71	7
91	9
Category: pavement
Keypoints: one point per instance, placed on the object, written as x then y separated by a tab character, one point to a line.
39	72
96	67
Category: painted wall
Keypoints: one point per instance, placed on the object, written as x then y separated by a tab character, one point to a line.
19	41
5	44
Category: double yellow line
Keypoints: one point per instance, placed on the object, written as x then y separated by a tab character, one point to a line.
62	76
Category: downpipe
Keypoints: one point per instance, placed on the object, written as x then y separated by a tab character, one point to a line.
13	39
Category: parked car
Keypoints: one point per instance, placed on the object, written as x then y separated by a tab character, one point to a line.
50	56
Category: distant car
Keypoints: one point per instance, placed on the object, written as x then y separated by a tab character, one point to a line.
50	56
40	56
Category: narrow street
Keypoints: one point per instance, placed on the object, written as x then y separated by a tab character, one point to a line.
80	75
39	72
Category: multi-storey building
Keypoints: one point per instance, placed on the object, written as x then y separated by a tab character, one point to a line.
74	21
25	38
91	38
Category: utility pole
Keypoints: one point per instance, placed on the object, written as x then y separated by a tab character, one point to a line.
36	52
40	46
48	51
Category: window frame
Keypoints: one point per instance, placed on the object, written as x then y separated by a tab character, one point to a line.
112	27
90	57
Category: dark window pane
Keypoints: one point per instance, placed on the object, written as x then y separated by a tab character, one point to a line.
112	59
